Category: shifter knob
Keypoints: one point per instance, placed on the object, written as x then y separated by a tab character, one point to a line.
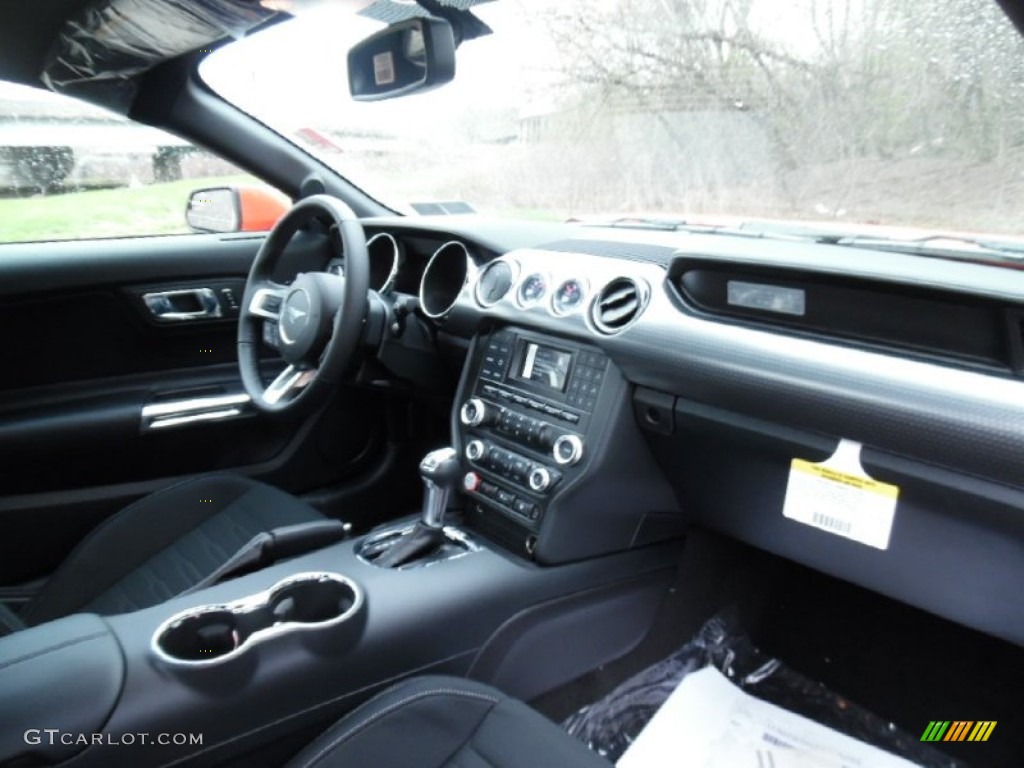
441	472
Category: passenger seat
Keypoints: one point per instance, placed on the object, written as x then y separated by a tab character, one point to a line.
430	722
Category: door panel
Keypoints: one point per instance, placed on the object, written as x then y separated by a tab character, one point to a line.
98	400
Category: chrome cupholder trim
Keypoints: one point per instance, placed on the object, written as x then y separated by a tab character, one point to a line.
250	604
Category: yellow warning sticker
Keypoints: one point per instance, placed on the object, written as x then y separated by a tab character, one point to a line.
838	496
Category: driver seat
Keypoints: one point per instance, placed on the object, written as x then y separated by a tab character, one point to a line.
163	545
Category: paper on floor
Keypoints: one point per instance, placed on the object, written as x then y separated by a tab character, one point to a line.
708	722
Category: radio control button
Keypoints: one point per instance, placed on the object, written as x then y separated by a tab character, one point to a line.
526	509
475	412
567	450
475	450
539	479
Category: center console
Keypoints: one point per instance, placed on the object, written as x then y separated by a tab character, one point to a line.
265	661
553	468
551	450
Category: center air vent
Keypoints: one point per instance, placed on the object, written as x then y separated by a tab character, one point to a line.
617	305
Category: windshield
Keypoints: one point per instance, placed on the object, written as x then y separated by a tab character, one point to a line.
880	112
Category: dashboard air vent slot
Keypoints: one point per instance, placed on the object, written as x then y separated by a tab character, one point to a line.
617	305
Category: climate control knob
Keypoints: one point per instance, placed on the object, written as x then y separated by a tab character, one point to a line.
567	450
475	450
539	479
475	412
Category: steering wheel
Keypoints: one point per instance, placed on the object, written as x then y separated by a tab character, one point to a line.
319	316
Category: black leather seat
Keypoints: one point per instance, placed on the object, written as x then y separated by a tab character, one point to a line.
164	544
429	722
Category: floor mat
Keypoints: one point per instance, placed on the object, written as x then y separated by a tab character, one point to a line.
905	665
611	725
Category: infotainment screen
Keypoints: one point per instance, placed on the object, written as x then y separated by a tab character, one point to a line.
543	365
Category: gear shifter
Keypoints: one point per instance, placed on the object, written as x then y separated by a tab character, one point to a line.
440	471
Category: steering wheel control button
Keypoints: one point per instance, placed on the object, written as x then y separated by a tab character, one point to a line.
567	450
471	482
475	450
270	337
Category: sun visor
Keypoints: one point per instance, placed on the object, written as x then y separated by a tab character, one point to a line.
456	12
99	53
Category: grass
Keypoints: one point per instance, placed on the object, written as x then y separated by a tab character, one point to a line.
156	209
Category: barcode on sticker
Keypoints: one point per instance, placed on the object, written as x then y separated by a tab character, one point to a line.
831	523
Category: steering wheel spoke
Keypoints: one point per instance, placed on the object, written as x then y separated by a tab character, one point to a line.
288	383
267	300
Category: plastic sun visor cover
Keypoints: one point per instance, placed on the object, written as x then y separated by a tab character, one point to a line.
99	53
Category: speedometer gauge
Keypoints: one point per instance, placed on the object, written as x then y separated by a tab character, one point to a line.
568	297
532	289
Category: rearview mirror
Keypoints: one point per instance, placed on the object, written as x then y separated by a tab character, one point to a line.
410	56
237	208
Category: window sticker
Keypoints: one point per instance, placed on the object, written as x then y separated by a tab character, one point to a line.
837	496
384	68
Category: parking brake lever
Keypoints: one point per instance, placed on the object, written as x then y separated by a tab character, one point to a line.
268	547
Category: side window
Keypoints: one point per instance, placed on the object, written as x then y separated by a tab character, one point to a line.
70	170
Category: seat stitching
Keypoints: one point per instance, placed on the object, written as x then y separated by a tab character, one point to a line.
361	726
469	746
126	597
51	648
212	543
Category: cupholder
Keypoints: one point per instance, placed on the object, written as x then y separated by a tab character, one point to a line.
212	634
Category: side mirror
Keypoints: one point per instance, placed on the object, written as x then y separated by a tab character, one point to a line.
412	55
234	209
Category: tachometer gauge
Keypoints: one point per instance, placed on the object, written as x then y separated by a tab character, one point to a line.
568	297
532	289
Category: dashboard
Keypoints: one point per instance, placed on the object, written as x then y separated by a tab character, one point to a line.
722	359
627	292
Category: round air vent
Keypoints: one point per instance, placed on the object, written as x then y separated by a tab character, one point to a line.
618	304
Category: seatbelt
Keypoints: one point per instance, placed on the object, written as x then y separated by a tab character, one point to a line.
268	547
